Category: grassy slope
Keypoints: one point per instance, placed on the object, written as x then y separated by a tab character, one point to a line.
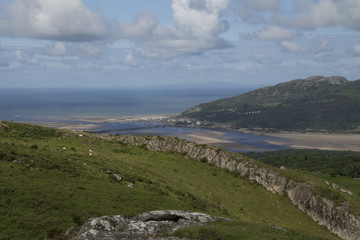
49	182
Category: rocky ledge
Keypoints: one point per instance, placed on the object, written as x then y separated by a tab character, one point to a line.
143	226
337	218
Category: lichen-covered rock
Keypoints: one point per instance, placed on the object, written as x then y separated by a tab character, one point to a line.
143	226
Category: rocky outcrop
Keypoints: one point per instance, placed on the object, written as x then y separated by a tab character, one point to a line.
337	218
143	226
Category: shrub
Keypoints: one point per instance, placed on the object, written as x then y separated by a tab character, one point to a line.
34	146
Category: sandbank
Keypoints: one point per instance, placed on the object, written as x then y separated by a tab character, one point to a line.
215	138
322	141
206	137
70	126
103	119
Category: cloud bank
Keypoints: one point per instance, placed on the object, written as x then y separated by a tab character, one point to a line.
65	20
324	13
197	29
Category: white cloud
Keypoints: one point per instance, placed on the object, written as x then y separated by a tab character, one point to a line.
293	47
274	33
201	18
323	45
262	59
58	49
130	60
251	11
324	57
322	51
65	20
91	49
357	49
24	58
263	5
83	49
198	24
4	61
143	27
325	13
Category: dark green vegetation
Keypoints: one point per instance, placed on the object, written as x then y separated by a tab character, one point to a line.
339	167
313	104
50	181
332	163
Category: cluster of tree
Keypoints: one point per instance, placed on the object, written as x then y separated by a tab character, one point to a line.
343	163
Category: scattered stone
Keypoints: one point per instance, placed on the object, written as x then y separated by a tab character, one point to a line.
279	228
116	176
346	191
327	182
334	186
130	185
283	168
143	226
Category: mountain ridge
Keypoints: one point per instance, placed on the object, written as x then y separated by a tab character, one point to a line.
313	104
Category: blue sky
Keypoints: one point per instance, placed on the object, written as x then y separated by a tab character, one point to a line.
137	43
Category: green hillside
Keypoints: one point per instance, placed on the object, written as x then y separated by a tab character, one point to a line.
313	104
53	179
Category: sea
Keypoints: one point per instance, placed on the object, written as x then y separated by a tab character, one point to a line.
79	106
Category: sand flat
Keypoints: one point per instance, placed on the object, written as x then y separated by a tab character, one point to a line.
322	141
100	119
205	138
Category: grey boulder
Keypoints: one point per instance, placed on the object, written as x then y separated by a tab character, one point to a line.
143	226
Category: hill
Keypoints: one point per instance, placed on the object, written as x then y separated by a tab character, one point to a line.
313	104
51	180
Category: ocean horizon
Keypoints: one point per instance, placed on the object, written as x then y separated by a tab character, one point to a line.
59	105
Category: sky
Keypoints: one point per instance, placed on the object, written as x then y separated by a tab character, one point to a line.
175	43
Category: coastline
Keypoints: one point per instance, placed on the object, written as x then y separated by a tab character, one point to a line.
214	136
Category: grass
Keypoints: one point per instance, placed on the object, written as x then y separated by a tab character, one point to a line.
50	183
241	230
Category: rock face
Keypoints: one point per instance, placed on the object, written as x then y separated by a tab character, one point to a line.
337	218
143	226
